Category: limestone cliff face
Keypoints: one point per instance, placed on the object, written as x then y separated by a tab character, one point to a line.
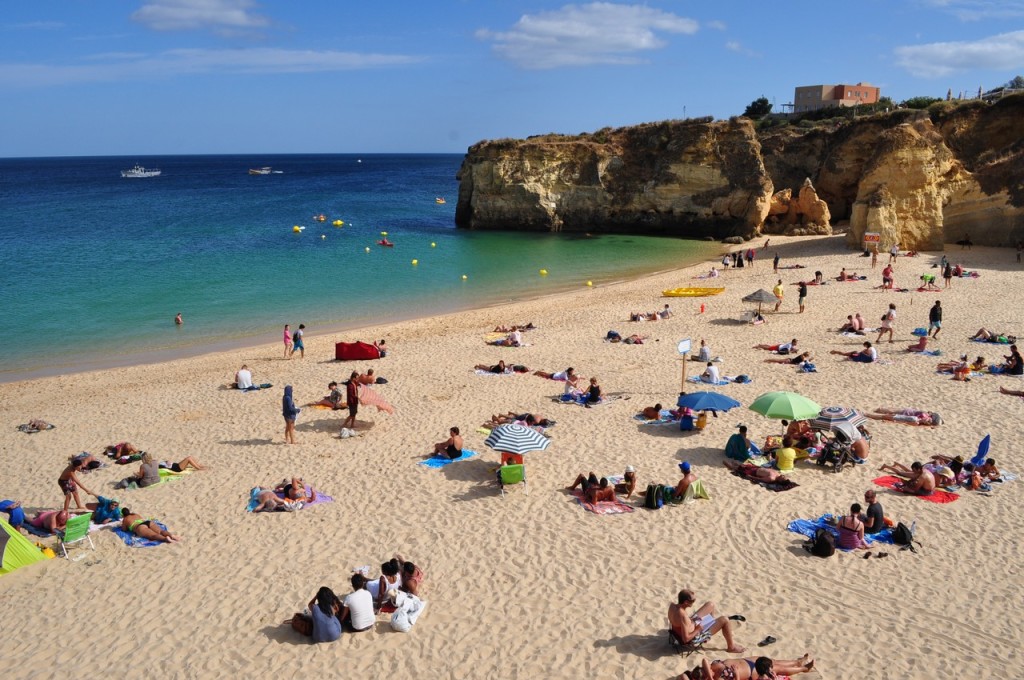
684	178
921	178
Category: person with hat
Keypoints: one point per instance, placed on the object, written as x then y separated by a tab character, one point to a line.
628	485
688	478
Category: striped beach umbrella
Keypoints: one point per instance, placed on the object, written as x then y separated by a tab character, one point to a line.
371	397
831	417
515	438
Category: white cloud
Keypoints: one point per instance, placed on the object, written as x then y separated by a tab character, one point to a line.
737	47
121	66
998	52
977	10
580	35
177	15
717	25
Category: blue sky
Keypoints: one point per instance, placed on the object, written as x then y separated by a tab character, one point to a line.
137	77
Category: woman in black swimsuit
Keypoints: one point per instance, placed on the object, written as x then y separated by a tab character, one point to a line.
761	668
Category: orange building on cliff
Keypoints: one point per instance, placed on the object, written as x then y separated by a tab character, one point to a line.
814	97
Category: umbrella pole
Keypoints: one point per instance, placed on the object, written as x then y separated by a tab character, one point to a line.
682	387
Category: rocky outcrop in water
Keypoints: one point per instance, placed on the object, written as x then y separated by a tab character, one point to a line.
922	178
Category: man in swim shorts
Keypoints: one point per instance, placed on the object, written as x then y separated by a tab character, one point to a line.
701	624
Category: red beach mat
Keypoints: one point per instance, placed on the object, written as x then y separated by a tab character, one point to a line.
604	507
937	496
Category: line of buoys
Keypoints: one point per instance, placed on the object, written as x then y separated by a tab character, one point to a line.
338	223
297	229
543	272
415	262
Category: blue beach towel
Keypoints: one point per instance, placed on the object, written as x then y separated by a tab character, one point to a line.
697	379
435	462
808	527
664	418
133	541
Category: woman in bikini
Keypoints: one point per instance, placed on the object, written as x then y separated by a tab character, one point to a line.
145	528
295	490
69	483
412	576
761	668
851	530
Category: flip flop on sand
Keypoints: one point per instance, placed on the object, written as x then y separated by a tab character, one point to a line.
737	617
767	641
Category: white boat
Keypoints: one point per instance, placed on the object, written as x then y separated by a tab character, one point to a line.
259	171
139	171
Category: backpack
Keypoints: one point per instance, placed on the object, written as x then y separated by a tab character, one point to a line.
823	544
654	498
903	535
301	623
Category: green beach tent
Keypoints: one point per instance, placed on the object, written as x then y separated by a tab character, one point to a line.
15	550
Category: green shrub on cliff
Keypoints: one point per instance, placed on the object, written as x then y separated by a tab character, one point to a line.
919	102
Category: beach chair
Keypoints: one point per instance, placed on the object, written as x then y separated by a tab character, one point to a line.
511	475
511	458
76	531
687	648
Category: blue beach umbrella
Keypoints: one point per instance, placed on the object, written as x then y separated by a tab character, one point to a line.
982	455
707	401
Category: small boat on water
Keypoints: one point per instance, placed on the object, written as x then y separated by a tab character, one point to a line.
691	292
386	243
260	171
440	200
320	218
139	171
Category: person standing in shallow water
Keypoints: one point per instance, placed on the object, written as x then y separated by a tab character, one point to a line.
178	320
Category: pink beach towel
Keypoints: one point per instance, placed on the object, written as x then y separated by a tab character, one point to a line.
937	496
615	507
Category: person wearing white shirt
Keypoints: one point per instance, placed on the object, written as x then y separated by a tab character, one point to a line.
243	378
357	610
710	374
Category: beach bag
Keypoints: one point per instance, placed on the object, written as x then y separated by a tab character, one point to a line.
302	624
668	494
808	367
823	544
904	536
742	379
653	498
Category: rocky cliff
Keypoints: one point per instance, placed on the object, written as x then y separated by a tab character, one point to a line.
922	178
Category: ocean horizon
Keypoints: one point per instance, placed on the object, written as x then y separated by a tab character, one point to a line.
98	265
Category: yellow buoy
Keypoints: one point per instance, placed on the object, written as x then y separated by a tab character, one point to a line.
415	261
337	223
383	233
590	283
433	245
543	272
367	249
464	277
297	229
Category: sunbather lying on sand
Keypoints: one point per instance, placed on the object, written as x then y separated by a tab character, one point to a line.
496	368
121	449
631	339
295	490
269	501
568	375
513	339
514	327
35	425
921	481
594	490
762	474
145	528
781	347
527	419
794	361
994	336
749	668
909	416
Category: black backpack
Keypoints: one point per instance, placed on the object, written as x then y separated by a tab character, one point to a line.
902	535
654	496
823	544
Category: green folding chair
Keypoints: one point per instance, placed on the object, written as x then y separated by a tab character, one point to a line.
512	475
76	531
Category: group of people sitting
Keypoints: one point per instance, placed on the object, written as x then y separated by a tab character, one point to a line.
397	590
854	324
867	355
290	495
596	490
149	471
664	313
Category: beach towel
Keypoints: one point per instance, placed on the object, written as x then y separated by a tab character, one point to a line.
28	429
133	541
371	397
937	496
435	462
582	400
809	527
46	534
616	507
696	491
701	381
746	471
321	497
664	418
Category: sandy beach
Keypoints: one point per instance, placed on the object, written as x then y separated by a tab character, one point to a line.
533	585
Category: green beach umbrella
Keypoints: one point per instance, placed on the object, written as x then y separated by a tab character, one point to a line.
788	405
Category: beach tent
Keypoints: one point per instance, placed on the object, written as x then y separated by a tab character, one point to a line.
355	351
16	550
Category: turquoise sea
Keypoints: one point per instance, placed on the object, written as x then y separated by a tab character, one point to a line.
96	265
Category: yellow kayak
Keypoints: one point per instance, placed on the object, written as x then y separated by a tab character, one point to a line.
691	292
